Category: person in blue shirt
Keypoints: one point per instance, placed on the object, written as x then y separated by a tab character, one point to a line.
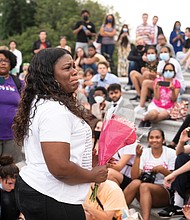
177	37
104	78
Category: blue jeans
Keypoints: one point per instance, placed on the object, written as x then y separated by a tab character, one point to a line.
92	66
107	48
36	206
132	66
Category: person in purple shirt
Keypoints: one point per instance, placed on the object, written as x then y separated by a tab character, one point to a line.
9	99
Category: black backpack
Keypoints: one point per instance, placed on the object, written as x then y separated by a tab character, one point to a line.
17	82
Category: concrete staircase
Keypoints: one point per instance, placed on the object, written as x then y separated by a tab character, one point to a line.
170	128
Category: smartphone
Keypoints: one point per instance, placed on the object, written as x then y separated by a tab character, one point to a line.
164	83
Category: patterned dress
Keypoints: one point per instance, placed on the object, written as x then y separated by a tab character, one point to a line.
123	63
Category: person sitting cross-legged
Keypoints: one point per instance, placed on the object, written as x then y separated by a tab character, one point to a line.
92	59
148	85
166	90
147	73
150	167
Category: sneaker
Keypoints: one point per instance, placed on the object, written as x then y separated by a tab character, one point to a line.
145	124
139	109
136	98
127	87
171	211
148	124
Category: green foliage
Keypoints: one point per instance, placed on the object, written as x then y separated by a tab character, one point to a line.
51	12
57	18
17	16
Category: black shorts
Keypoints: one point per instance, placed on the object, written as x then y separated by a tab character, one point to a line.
125	182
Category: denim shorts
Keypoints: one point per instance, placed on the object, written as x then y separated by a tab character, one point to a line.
37	206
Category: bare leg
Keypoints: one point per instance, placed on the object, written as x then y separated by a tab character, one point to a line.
152	195
146	74
136	79
115	176
151	116
187	65
187	56
146	86
132	191
162	115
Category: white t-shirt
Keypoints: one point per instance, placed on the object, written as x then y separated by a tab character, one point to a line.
127	150
179	74
55	123
148	161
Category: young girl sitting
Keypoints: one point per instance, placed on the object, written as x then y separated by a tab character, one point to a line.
166	90
147	73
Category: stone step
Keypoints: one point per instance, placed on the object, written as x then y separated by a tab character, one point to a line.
187	89
154	211
186	76
170	127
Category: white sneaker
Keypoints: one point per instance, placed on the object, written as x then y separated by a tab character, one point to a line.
139	109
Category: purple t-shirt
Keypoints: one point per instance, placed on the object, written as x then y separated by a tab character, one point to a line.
9	99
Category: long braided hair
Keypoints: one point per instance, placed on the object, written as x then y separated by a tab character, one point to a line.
40	83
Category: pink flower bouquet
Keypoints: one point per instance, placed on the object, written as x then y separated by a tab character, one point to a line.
116	133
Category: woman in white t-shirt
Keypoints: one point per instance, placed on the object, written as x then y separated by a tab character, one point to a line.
121	164
63	44
158	160
57	141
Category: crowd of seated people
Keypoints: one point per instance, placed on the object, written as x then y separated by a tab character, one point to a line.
154	69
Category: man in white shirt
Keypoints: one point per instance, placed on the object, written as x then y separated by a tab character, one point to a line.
157	30
18	54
